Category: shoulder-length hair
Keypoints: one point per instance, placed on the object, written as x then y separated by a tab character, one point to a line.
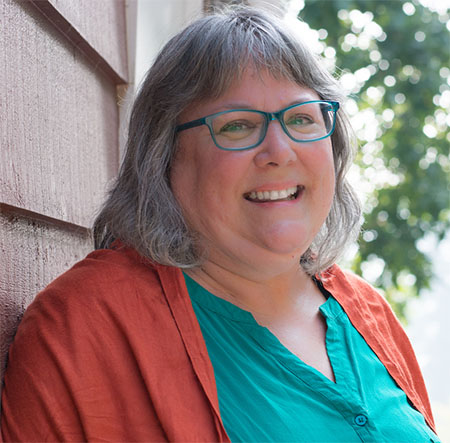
200	63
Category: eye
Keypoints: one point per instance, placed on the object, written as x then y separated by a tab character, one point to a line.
299	120
236	126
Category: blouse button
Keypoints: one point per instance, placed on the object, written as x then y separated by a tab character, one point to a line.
361	420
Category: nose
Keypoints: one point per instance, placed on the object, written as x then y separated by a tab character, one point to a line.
277	149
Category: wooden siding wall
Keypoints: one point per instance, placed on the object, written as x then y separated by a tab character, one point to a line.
61	62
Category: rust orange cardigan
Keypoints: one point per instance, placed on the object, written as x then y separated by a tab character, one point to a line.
112	351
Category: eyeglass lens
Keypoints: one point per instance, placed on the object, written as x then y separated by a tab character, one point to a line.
240	129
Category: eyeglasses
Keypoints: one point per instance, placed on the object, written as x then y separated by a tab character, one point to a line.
240	129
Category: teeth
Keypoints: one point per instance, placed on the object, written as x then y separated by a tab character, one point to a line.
272	195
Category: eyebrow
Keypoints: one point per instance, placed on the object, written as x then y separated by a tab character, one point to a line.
243	105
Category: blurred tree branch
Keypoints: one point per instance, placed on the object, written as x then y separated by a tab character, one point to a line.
394	58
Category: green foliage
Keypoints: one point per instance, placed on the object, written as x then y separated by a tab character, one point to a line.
406	165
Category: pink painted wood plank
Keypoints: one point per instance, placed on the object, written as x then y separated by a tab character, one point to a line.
32	254
58	121
92	25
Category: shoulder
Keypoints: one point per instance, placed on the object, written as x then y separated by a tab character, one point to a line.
105	270
105	277
366	308
110	294
348	287
89	339
339	277
94	317
371	315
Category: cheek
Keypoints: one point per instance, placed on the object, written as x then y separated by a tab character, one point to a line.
321	164
329	174
194	179
321	167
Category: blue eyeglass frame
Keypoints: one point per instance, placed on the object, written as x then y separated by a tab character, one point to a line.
268	117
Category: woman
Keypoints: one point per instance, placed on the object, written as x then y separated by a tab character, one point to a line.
212	309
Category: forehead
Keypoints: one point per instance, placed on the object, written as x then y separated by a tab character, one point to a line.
254	89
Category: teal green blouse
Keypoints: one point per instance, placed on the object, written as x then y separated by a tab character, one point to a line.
267	394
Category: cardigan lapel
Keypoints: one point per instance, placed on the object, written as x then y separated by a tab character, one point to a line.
373	318
179	302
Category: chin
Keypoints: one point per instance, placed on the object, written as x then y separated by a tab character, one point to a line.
288	240
287	247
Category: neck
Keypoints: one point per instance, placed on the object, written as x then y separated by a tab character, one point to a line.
262	295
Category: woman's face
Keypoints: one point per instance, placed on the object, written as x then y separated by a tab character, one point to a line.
216	188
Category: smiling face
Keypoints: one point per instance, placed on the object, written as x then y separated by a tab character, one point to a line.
259	208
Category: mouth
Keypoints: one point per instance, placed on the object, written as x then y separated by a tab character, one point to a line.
274	196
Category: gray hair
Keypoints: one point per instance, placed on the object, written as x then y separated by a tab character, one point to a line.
199	63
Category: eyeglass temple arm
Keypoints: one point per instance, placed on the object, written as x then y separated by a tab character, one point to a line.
192	124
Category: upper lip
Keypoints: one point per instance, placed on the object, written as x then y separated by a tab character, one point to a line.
274	187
